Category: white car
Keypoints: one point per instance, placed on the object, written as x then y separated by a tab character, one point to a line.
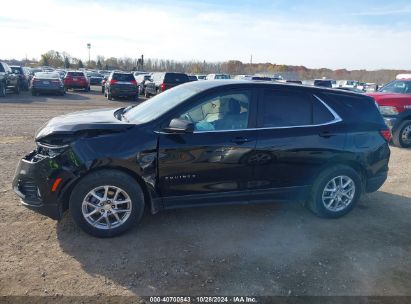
218	76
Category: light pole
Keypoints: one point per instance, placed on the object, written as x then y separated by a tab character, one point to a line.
89	47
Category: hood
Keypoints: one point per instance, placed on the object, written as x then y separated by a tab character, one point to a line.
82	122
391	99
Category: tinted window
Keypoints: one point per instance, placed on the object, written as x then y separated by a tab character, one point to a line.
320	113
354	109
175	78
285	108
1	67
78	74
223	111
47	75
222	76
123	77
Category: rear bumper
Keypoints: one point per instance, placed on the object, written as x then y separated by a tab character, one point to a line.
117	92
45	90
374	183
76	86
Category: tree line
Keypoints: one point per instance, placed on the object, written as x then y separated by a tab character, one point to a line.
233	67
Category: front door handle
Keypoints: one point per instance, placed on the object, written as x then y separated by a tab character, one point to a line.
240	140
327	134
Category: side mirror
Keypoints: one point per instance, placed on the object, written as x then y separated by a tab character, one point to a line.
179	126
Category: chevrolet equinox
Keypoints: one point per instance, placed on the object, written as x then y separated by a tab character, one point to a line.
207	143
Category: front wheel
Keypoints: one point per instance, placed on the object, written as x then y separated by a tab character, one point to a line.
335	192
107	203
402	136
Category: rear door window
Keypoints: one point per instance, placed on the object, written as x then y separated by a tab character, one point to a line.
285	109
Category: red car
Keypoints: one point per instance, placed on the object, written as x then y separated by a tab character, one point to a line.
394	101
76	80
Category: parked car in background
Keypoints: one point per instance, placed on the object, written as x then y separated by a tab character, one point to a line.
207	143
217	76
347	83
76	80
95	78
192	77
103	83
23	76
326	83
141	82
260	78
355	90
8	80
62	73
394	102
121	84
47	82
201	77
403	76
161	81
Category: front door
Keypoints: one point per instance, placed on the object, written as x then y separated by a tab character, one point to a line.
211	164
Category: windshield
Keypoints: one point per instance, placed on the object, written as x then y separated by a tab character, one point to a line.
16	70
397	86
160	104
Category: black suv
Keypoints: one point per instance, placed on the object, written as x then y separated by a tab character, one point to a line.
121	84
164	81
8	80
207	143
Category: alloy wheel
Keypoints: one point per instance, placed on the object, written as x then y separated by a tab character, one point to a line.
106	207
406	135
338	193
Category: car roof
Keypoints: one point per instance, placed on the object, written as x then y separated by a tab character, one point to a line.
210	84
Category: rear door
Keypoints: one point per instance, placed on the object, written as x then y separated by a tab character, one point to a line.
298	133
210	165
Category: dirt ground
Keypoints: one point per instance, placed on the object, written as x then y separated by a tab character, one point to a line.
275	249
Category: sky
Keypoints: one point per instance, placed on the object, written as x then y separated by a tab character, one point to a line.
351	34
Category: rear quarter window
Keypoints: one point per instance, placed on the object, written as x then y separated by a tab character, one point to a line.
354	109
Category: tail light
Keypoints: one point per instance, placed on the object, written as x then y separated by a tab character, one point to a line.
386	134
163	87
133	82
112	81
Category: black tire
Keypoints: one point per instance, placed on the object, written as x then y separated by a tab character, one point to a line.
109	96
316	204
34	93
87	89
135	97
158	91
2	90
146	95
403	131
101	178
102	90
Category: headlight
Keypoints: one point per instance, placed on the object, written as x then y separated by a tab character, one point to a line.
388	110
49	150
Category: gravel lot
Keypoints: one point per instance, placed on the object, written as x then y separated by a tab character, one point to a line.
276	249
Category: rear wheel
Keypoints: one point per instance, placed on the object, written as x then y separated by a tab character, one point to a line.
402	136
335	192
107	203
109	96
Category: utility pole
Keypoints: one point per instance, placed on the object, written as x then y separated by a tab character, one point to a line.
89	47
251	64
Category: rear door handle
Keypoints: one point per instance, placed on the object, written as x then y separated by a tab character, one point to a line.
240	140
327	134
